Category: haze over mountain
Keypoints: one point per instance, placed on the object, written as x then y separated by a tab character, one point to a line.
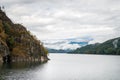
66	44
108	47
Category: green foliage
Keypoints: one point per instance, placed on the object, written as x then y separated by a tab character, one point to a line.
103	48
7	28
118	51
10	42
110	51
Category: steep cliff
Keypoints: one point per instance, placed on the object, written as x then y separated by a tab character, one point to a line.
17	43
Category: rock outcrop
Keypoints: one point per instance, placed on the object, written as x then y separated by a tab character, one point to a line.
18	44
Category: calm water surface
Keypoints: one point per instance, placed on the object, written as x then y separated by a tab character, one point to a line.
65	67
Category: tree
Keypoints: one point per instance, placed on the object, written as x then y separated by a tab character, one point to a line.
10	42
118	51
110	51
7	28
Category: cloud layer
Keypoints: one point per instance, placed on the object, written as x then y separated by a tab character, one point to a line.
71	43
60	20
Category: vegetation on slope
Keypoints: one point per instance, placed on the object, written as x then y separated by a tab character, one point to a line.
18	42
109	47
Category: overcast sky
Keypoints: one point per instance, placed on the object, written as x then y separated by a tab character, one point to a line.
66	20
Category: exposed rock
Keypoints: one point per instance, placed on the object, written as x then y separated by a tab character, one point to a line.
18	43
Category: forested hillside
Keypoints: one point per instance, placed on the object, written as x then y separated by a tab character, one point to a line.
109	47
17	43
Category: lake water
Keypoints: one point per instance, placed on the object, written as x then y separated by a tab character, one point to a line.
65	67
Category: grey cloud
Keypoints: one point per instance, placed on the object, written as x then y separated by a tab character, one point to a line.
71	15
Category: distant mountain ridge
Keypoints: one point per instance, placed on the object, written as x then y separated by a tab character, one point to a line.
111	46
58	51
63	45
80	43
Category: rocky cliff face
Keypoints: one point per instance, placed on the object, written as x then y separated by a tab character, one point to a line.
19	43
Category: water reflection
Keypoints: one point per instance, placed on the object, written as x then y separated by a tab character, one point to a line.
19	65
65	67
18	70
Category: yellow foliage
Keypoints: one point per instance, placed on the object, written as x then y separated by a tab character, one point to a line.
1	25
3	42
17	51
46	51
